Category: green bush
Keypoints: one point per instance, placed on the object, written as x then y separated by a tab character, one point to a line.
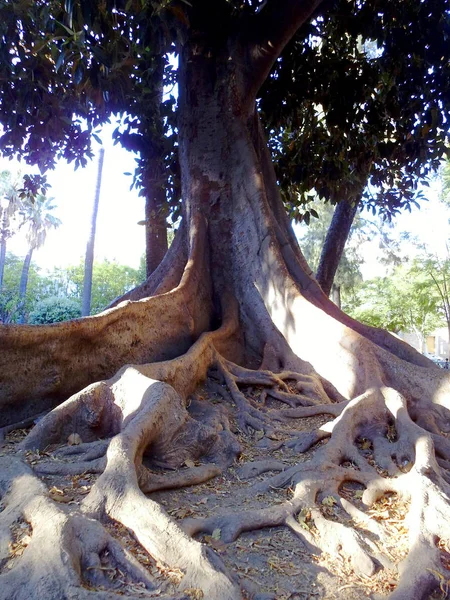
54	310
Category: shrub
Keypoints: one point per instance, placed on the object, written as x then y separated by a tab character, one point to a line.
54	310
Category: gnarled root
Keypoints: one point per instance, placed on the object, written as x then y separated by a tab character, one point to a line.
48	550
373	449
147	426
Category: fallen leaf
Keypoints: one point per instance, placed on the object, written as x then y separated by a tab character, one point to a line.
216	544
216	534
329	501
74	439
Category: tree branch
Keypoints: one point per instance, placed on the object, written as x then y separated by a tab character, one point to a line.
273	28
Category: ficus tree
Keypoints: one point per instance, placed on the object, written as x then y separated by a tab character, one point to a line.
233	304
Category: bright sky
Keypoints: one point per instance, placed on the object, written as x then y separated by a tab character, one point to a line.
429	223
118	235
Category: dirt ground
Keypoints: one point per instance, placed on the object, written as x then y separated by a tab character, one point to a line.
273	563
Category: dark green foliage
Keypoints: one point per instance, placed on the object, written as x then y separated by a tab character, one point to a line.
404	301
9	294
362	95
109	280
54	310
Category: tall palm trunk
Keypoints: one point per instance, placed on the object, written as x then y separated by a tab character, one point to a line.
89	260
23	284
2	260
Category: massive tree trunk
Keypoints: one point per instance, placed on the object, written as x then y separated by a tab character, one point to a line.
242	310
156	242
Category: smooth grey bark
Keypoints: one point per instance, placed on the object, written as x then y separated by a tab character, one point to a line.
335	241
156	226
89	260
336	294
156	244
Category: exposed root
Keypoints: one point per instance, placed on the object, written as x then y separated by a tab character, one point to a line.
373	444
66	554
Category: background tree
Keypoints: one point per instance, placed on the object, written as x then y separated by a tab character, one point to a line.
403	302
109	281
89	259
437	272
233	293
54	310
9	294
38	220
313	237
10	205
445	178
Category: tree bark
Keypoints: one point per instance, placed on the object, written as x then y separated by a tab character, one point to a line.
336	295
156	225
24	275
156	242
335	241
89	260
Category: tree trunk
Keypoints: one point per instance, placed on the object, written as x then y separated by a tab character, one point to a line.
89	260
156	242
242	314
335	241
336	295
25	273
156	225
2	260
23	285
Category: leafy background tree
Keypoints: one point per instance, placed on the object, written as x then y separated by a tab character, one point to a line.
402	302
54	310
38	219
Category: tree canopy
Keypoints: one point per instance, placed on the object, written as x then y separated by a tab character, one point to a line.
361	94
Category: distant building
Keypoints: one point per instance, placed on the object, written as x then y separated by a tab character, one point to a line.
436	343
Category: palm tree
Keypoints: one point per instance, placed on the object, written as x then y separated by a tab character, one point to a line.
89	260
10	204
38	220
